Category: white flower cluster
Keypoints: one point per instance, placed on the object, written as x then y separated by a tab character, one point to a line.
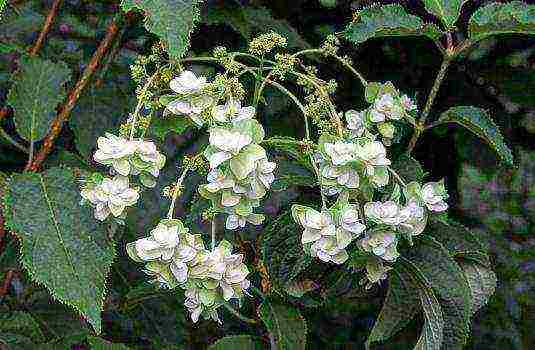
240	173
175	257
191	100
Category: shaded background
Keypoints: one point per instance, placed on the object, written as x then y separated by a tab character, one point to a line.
498	75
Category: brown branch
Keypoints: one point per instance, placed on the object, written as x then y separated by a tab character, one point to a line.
7	281
46	28
73	96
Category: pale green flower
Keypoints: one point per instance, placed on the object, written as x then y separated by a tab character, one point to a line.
233	112
227	144
114	151
187	83
382	243
433	195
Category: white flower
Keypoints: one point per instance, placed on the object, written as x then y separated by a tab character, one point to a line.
386	107
433	195
228	143
114	150
382	243
186	255
113	195
355	122
416	218
373	154
388	213
201	301
344	176
235	221
161	243
341	152
264	172
190	106
349	220
217	180
187	83
233	112
407	103
152	160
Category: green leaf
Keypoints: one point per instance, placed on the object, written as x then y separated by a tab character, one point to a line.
102	344
19	330
18	22
408	168
398	309
285	323
482	282
291	173
328	3
171	20
433	330
290	146
238	342
447	11
161	126
497	18
479	122
447	280
100	109
282	251
388	20
37	90
63	247
244	162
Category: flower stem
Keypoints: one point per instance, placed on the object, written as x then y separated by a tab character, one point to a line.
140	103
176	191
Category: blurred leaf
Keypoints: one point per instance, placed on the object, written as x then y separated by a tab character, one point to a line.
328	3
479	122
447	11
19	330
290	146
102	344
387	20
238	342
171	20
37	90
282	251
16	24
285	323
502	18
447	280
408	168
63	247
482	282
161	126
398	309
99	110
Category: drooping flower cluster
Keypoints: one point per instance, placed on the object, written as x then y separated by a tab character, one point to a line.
174	257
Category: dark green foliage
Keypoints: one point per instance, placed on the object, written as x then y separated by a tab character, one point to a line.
285	324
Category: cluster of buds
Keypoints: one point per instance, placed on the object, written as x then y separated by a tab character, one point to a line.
174	257
240	172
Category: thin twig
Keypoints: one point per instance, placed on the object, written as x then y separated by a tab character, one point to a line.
73	97
46	28
7	281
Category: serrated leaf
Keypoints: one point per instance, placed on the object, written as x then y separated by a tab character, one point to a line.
285	323
447	11
161	126
482	282
171	20
408	168
100	109
101	344
388	20
502	18
62	246
479	122
432	335
447	280
37	90
282	250
238	342
399	307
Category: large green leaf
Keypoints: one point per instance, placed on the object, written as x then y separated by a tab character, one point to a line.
399	307
282	250
447	280
171	20
238	342
497	18
161	126
100	109
102	344
408	168
285	323
447	11
37	90
432	335
63	247
387	20
478	121
482	282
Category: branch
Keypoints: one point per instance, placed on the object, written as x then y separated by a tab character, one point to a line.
75	93
46	28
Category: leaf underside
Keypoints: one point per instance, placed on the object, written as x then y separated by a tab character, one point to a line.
62	246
